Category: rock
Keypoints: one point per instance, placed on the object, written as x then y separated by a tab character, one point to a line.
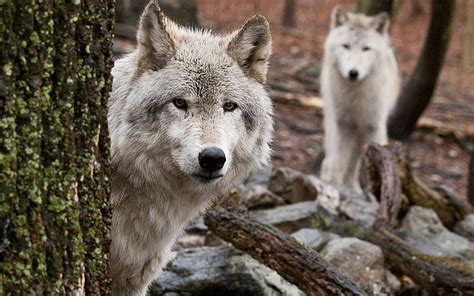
197	226
361	261
189	241
219	271
308	214
465	227
345	201
314	238
280	181
259	197
392	281
422	228
288	218
258	177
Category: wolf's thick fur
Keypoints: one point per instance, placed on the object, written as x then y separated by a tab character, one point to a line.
179	93
359	84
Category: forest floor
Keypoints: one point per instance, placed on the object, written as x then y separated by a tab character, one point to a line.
295	69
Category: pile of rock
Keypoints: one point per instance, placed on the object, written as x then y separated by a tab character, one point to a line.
322	216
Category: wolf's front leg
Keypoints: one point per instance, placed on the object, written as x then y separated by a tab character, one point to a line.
137	254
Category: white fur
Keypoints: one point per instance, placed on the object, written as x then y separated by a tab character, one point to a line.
356	112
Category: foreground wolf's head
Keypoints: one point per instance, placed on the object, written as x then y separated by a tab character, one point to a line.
190	105
356	42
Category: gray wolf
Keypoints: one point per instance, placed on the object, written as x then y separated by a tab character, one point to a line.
188	115
359	85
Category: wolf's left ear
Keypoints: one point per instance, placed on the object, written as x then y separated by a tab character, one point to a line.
155	47
338	17
381	22
251	47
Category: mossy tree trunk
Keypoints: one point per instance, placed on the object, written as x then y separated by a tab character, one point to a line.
418	91
55	59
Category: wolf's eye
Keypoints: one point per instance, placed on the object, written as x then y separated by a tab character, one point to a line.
365	48
180	104
346	46
229	107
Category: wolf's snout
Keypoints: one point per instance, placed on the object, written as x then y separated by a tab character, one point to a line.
212	159
353	74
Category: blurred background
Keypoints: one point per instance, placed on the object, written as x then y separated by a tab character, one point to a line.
299	28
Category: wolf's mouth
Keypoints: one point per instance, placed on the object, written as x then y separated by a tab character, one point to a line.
207	178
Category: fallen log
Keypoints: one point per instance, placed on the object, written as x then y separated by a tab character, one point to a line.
439	275
419	193
299	265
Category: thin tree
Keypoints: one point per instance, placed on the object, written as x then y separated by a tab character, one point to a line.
418	91
55	59
289	14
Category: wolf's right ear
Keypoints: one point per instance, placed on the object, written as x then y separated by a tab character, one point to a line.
155	47
251	47
338	17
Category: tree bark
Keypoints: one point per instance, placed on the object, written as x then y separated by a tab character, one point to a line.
373	7
417	93
289	14
468	38
301	266
54	84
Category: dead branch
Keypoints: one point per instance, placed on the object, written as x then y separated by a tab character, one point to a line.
301	266
419	193
390	193
437	274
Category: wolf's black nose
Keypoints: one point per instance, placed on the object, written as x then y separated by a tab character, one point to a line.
353	74
212	159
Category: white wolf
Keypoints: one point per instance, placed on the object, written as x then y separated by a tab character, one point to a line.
359	84
188	115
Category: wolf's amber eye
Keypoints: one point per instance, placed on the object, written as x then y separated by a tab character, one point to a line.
229	107
365	48
346	46
180	104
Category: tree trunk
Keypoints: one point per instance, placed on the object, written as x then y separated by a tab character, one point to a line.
417	93
468	39
54	84
372	7
289	14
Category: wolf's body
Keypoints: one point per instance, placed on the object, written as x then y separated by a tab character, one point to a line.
359	85
188	115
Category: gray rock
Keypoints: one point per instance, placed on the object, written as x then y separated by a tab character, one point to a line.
361	261
425	231
220	271
309	214
314	238
259	197
288	218
465	227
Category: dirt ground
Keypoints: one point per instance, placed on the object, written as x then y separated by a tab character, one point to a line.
295	65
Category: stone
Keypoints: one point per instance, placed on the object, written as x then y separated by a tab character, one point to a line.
314	238
361	261
219	271
422	228
465	227
189	241
259	197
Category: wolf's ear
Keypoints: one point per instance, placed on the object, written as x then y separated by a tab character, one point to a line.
251	47
381	22
155	47
338	17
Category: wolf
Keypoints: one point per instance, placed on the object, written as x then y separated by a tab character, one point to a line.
359	85
188	116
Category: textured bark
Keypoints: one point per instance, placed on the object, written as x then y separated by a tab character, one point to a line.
373	7
417	93
419	193
383	162
436	274
289	14
54	83
468	38
301	266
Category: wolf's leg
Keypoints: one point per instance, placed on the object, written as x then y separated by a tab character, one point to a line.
348	158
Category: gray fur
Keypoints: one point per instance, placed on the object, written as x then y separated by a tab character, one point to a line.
155	145
356	112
